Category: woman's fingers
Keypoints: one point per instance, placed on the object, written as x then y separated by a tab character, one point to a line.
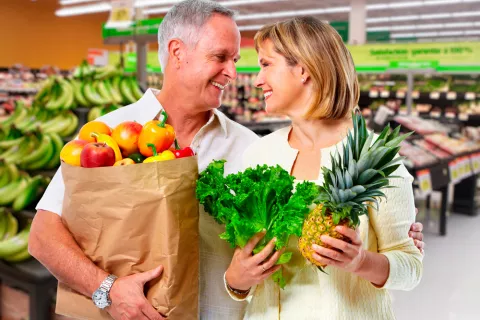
252	243
353	235
271	262
269	272
265	253
329	253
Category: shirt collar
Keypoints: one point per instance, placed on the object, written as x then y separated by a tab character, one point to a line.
152	107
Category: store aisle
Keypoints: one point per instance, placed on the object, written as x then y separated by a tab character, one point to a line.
450	288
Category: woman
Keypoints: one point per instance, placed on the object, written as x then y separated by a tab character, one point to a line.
308	74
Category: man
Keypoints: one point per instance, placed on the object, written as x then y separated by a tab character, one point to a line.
199	44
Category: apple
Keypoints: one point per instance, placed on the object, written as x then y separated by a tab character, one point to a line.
124	162
71	152
126	135
96	155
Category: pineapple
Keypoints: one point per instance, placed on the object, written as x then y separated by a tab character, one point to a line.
352	185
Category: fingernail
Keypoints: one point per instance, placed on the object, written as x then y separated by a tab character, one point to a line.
264	230
323	238
315	247
274	239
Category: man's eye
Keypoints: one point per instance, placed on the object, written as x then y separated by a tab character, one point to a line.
221	57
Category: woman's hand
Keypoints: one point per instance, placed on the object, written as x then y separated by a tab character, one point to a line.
246	269
349	257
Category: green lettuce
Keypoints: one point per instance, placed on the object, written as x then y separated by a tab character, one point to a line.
256	199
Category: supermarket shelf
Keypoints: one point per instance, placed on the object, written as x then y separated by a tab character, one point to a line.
19	90
449	96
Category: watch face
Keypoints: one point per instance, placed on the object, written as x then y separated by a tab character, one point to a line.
100	298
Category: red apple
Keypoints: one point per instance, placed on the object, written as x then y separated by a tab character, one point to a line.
126	135
97	155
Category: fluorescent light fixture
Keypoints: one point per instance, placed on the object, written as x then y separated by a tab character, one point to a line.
281	14
78	10
425	26
148	3
432	16
435	34
233	3
413	4
251	27
68	2
466	14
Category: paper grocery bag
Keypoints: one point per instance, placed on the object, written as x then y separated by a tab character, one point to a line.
131	219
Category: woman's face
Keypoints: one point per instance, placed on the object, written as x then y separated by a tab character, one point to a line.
282	84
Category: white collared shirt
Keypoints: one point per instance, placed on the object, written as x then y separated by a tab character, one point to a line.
220	138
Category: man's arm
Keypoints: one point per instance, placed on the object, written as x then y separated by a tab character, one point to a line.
52	244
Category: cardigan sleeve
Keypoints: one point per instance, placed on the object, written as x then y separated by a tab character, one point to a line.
391	224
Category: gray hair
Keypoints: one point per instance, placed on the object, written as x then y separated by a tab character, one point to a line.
184	21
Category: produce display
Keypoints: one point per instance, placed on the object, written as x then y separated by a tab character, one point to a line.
13	242
416	156
257	199
421	126
89	87
352	185
451	145
128	143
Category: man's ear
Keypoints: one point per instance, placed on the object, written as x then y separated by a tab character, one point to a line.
176	52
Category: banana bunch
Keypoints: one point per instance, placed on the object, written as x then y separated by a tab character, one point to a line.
28	119
97	112
56	94
18	190
32	151
13	244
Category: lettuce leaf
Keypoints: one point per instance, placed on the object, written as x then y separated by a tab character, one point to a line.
255	199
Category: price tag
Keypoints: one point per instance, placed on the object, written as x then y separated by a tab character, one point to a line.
435	114
470	96
415	94
453	171
400	94
424	181
385	94
435	95
451	96
463	117
476	163
450	115
373	94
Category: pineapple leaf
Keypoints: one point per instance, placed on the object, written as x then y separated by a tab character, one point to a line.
348	180
358	189
378	156
389	156
340	179
394	134
364	162
384	134
397	160
351	169
367	144
343	196
396	141
346	157
335	195
377	184
366	176
356	136
363	134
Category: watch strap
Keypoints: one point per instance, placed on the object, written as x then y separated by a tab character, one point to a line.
108	283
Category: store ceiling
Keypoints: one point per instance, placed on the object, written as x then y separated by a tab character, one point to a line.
437	19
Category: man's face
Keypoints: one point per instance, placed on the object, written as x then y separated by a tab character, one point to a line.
210	66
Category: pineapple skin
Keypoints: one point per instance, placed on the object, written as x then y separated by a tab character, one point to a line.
314	227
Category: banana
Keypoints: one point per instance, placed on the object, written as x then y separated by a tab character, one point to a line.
45	159
11	227
3	222
116	96
19	256
102	91
24	151
29	194
104	138
58	144
39	154
19	112
62	123
92	96
69	101
16	244
13	172
10	143
137	93
72	128
128	97
21	117
62	96
10	192
77	92
52	122
15	149
45	90
4	176
93	114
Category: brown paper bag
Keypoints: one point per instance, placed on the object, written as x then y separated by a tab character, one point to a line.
130	219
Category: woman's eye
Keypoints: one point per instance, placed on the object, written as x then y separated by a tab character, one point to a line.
264	64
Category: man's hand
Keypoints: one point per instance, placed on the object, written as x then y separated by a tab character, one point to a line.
416	234
128	299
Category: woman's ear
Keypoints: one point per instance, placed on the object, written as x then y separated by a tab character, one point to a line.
304	75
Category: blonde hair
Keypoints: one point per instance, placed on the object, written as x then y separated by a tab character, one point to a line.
320	50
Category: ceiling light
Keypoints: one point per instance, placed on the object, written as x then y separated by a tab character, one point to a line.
68	2
472	32
147	3
250	28
425	34
224	3
451	33
78	10
466	14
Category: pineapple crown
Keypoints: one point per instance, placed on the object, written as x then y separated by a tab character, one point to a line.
356	178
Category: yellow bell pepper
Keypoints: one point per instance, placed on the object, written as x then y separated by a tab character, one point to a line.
164	156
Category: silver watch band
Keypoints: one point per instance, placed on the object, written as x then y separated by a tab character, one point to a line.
108	283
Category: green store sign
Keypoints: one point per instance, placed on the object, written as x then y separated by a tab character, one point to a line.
141	27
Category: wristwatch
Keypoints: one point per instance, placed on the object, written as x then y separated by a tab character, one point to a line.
101	296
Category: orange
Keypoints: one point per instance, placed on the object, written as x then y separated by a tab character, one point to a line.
71	152
93	126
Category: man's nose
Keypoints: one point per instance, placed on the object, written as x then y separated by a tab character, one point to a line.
231	70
